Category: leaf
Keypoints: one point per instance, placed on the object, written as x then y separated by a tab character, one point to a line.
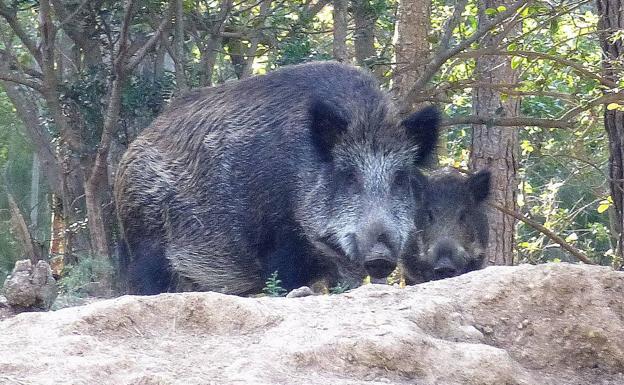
571	238
604	205
554	26
501	8
516	61
526	147
613	106
490	11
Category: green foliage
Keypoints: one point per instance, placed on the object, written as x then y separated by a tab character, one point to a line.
272	286
15	173
340	288
562	171
81	278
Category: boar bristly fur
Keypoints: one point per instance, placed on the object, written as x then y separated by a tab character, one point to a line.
451	227
307	171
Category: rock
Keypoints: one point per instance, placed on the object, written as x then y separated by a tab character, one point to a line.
303	291
463	330
30	288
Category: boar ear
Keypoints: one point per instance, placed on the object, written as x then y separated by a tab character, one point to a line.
327	126
422	127
479	185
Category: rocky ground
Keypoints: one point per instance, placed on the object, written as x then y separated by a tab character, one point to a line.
547	324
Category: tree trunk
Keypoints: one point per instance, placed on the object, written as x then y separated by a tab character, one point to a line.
496	148
611	13
71	143
236	50
412	47
411	54
211	48
97	193
34	192
179	61
28	113
340	30
265	9
364	18
31	250
75	238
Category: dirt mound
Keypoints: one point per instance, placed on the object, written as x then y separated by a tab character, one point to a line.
548	324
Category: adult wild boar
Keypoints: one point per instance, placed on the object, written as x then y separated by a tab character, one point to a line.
451	227
307	171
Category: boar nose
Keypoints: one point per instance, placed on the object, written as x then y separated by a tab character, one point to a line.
380	262
444	268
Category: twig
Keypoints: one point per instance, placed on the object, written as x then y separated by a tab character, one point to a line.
507	122
554	237
445	54
14	78
141	52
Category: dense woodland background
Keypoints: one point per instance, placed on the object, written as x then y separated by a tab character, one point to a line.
530	89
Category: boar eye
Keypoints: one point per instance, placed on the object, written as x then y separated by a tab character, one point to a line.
350	179
400	179
429	216
462	216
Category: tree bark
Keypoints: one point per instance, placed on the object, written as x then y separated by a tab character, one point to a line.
496	148
71	142
364	18
412	54
611	13
179	59
211	47
340	30
247	70
34	192
18	222
79	24
42	140
412	48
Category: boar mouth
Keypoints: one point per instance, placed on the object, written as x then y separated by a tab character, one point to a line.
379	269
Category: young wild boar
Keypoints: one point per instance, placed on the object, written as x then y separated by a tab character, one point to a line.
306	171
451	227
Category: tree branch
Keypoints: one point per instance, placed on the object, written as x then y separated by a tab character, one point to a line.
141	52
509	89
578	67
507	122
551	235
26	108
442	55
565	121
548	233
58	7
312	9
120	57
265	8
604	99
178	41
19	79
10	16
451	23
